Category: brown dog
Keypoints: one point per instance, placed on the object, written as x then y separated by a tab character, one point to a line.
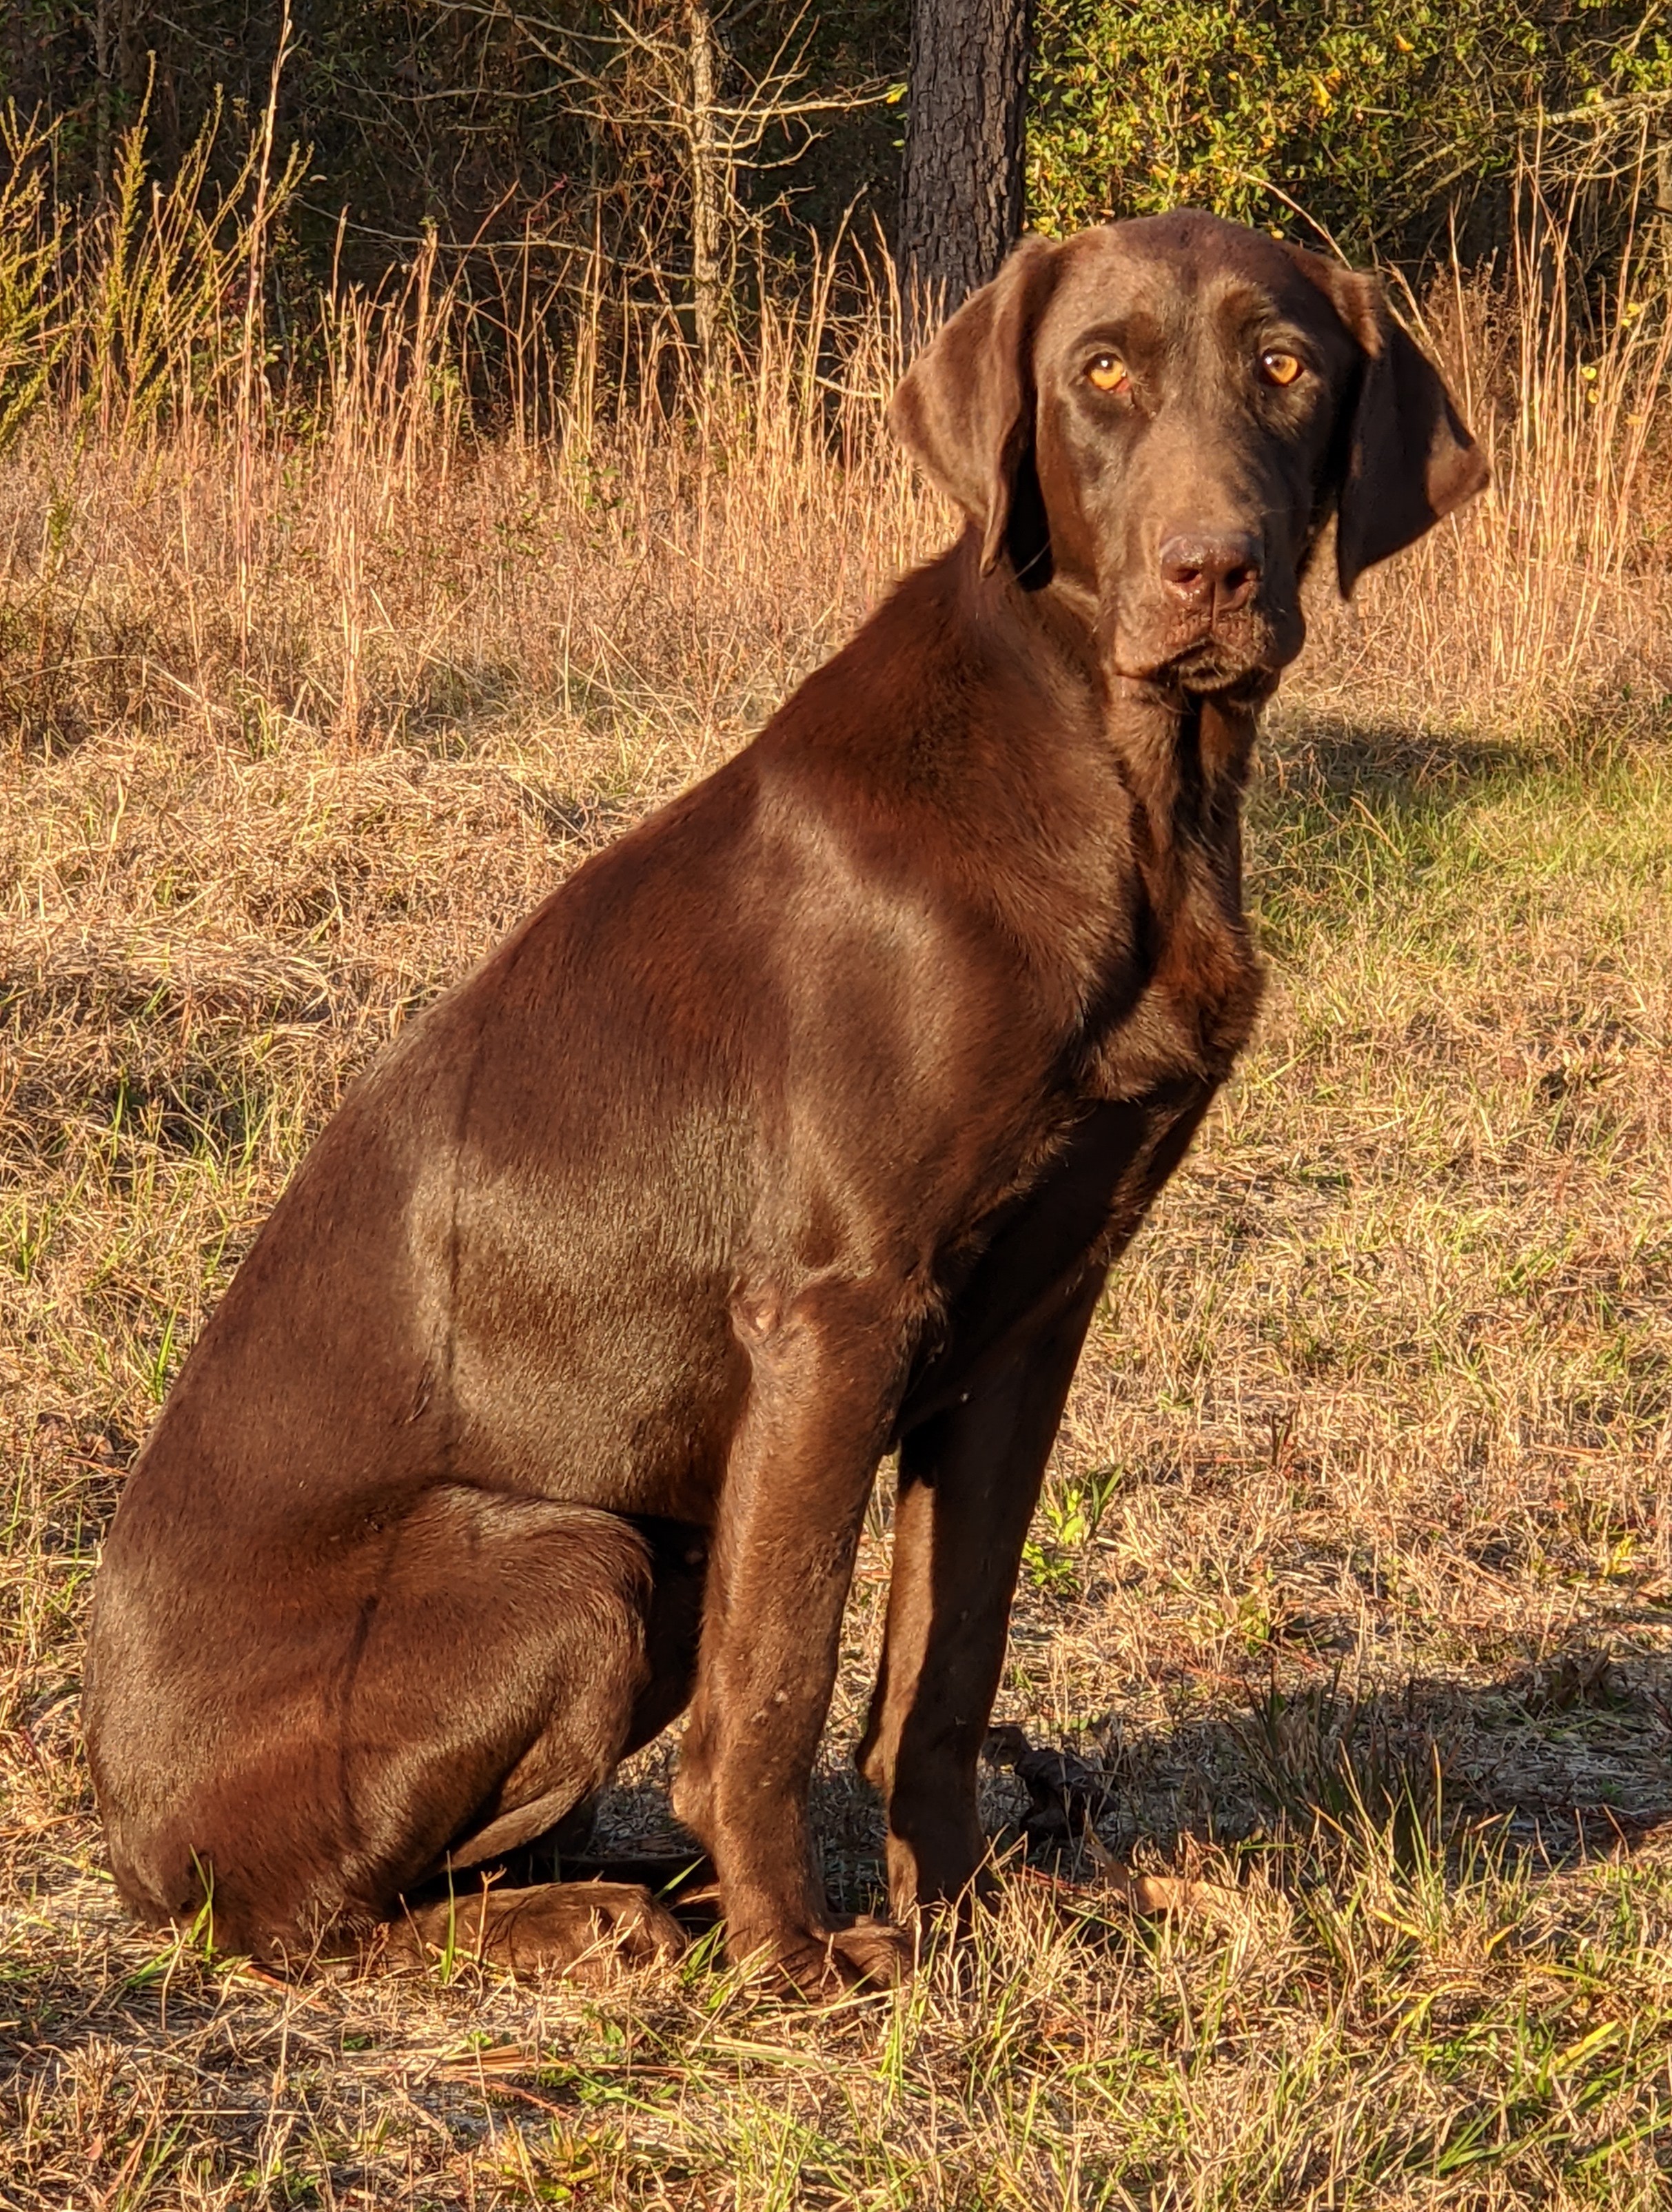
803	1123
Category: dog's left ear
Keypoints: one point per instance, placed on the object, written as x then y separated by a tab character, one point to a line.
1407	458
965	407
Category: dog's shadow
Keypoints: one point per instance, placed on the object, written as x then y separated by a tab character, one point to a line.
1563	1760
1336	792
1551	1764
1314	756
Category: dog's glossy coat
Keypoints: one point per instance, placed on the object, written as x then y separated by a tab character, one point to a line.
803	1123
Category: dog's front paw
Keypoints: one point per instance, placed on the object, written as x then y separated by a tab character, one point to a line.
873	1954
822	1964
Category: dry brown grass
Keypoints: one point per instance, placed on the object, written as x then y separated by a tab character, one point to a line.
1353	1585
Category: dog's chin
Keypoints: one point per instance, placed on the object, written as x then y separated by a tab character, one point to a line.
1242	655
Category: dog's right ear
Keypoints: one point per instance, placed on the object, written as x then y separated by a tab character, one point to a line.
965	407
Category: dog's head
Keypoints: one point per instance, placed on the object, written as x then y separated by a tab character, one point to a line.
1160	418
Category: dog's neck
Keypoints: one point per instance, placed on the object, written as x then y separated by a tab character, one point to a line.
1153	944
1186	755
1183	755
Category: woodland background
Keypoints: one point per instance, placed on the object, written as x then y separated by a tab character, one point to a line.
661	133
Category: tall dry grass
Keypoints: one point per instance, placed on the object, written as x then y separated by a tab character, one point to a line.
309	525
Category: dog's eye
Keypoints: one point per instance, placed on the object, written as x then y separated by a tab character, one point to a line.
1107	372
1279	368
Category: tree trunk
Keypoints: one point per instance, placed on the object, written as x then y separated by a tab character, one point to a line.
961	207
707	186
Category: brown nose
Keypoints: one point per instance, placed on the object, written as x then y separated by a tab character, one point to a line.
1206	572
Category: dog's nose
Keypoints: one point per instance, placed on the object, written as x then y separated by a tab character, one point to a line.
1218	573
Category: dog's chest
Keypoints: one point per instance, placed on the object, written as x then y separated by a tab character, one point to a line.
1192	992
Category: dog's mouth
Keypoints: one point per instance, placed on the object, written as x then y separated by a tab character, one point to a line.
1245	648
1215	664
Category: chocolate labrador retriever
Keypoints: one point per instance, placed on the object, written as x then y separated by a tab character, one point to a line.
800	1125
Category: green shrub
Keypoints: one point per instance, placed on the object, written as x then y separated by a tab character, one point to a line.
1381	123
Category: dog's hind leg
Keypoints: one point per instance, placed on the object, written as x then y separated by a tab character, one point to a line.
569	1924
555	1925
463	1678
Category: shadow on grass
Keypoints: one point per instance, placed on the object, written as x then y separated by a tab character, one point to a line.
1553	1765
1558	1763
1315	758
1346	813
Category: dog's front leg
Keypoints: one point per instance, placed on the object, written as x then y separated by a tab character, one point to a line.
822	1382
970	1479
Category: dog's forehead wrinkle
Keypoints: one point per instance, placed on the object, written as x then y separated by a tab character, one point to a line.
1237	306
1164	319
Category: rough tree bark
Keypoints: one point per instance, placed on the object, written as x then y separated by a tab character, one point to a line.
961	205
708	184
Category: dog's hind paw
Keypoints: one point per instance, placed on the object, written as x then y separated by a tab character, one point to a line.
584	1927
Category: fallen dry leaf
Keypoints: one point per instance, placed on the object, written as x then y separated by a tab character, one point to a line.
1164	1893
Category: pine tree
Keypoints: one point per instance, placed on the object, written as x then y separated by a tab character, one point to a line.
962	202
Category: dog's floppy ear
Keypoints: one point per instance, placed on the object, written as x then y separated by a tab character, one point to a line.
965	407
1407	459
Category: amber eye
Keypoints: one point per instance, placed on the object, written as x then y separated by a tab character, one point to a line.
1107	372
1279	368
